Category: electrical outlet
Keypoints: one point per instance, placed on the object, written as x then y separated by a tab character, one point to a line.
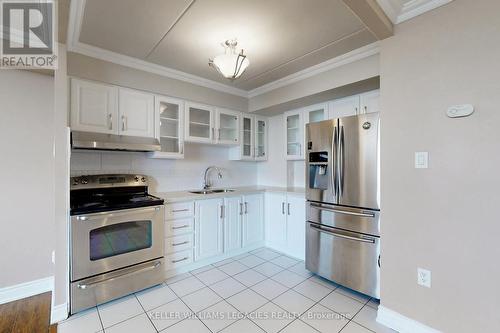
424	277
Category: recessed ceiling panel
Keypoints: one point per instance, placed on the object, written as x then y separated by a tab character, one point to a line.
129	27
272	33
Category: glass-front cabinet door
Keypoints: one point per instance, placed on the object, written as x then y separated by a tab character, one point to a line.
247	138
260	138
199	123
228	127
169	118
314	113
294	135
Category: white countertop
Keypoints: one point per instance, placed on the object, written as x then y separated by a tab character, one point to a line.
177	196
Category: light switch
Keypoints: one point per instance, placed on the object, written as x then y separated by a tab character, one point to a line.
421	160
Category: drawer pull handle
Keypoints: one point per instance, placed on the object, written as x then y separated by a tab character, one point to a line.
180	210
179	260
181	243
181	227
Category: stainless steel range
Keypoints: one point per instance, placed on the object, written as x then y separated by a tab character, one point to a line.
343	201
116	238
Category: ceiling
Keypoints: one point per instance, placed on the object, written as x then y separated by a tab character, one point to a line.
280	37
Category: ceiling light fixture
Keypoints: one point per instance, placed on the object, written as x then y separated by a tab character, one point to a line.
230	64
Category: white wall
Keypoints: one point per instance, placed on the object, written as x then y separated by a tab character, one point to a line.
27	169
169	175
444	218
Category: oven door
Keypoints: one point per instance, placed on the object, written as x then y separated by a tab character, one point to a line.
103	242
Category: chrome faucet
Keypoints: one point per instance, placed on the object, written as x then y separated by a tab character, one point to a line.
206	182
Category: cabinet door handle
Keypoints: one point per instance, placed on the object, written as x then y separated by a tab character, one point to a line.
356	110
124	119
110	125
366	109
241	208
179	260
246	207
180	210
181	243
213	133
181	227
283	208
288	209
218	134
222	211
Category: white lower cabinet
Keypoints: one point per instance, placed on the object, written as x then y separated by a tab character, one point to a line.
233	213
285	223
224	226
253	219
179	237
209	231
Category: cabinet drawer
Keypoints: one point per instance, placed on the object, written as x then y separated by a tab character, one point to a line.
179	259
178	227
179	210
178	243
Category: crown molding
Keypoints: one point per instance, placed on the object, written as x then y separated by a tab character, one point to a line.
399	12
77	9
355	55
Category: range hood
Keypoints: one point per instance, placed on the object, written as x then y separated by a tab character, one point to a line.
99	141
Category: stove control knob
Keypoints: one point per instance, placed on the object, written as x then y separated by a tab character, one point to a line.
136	178
75	181
84	180
143	179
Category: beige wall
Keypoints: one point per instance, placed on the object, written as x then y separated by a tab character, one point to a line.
27	169
444	218
353	72
99	70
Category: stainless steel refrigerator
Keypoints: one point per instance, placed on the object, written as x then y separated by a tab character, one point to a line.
343	201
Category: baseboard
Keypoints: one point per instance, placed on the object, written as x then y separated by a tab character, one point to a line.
59	313
27	289
400	323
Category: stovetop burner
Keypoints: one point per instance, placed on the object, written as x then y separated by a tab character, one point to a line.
89	194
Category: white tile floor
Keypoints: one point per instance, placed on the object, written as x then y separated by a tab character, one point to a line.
260	291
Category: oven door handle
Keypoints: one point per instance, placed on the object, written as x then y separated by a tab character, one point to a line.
111	278
332	233
117	213
346	212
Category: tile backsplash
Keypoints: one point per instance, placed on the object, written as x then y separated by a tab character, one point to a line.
169	175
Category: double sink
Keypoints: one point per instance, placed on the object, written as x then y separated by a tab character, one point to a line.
225	190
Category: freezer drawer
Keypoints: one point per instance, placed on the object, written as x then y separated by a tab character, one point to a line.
347	258
364	221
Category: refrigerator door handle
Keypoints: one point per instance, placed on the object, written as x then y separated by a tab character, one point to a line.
335	234
346	212
341	161
334	161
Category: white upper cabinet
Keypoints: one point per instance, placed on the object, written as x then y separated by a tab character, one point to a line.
137	113
102	108
294	142
94	107
260	138
247	141
315	113
369	102
169	113
200	125
344	107
253	143
227	127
